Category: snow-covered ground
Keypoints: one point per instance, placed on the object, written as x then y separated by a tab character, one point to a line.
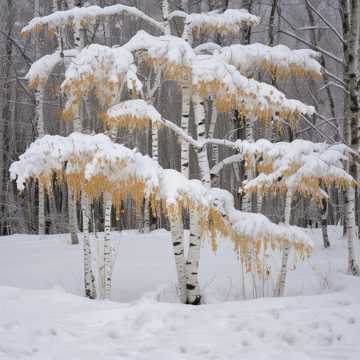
44	316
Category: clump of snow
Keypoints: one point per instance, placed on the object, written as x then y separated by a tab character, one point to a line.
301	166
133	113
279	60
174	53
210	74
231	20
101	69
42	68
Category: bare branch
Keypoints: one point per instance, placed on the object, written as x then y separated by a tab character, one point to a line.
312	46
325	21
331	83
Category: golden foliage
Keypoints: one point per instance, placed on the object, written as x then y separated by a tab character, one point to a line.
245	103
171	71
282	73
125	121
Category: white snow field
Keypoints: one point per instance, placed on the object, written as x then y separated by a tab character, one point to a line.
44	316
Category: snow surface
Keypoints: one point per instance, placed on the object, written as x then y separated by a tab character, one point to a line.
44	316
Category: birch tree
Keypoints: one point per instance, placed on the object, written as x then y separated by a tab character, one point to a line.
96	165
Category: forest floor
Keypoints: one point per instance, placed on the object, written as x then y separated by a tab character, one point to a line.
44	316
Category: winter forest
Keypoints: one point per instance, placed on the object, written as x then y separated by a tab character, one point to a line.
179	179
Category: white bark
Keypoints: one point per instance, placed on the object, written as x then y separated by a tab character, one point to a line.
280	286
146	216
350	17
192	262
214	147
77	126
324	223
177	236
165	16
155	142
39	117
246	203
107	246
89	279
199	113
39	110
185	113
351	231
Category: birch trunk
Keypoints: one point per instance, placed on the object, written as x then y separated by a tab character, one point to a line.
324	223
165	16
79	43
193	258
192	262
89	279
351	231
39	115
350	17
39	110
246	203
177	236
199	113
185	114
214	147
107	246
280	287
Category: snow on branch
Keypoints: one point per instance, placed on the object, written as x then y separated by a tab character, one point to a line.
100	69
41	69
174	54
279	60
302	166
84	15
138	113
132	114
211	76
231	20
94	164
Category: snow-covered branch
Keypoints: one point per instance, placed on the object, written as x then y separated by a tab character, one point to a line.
83	15
96	165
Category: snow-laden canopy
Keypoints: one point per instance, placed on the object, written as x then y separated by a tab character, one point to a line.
212	75
101	69
231	20
41	69
174	54
84	15
94	164
301	166
279	60
132	114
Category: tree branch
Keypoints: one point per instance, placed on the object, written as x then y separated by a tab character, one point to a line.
325	21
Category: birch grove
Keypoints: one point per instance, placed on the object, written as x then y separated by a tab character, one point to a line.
208	118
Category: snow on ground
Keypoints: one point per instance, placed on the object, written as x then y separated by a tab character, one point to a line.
42	315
